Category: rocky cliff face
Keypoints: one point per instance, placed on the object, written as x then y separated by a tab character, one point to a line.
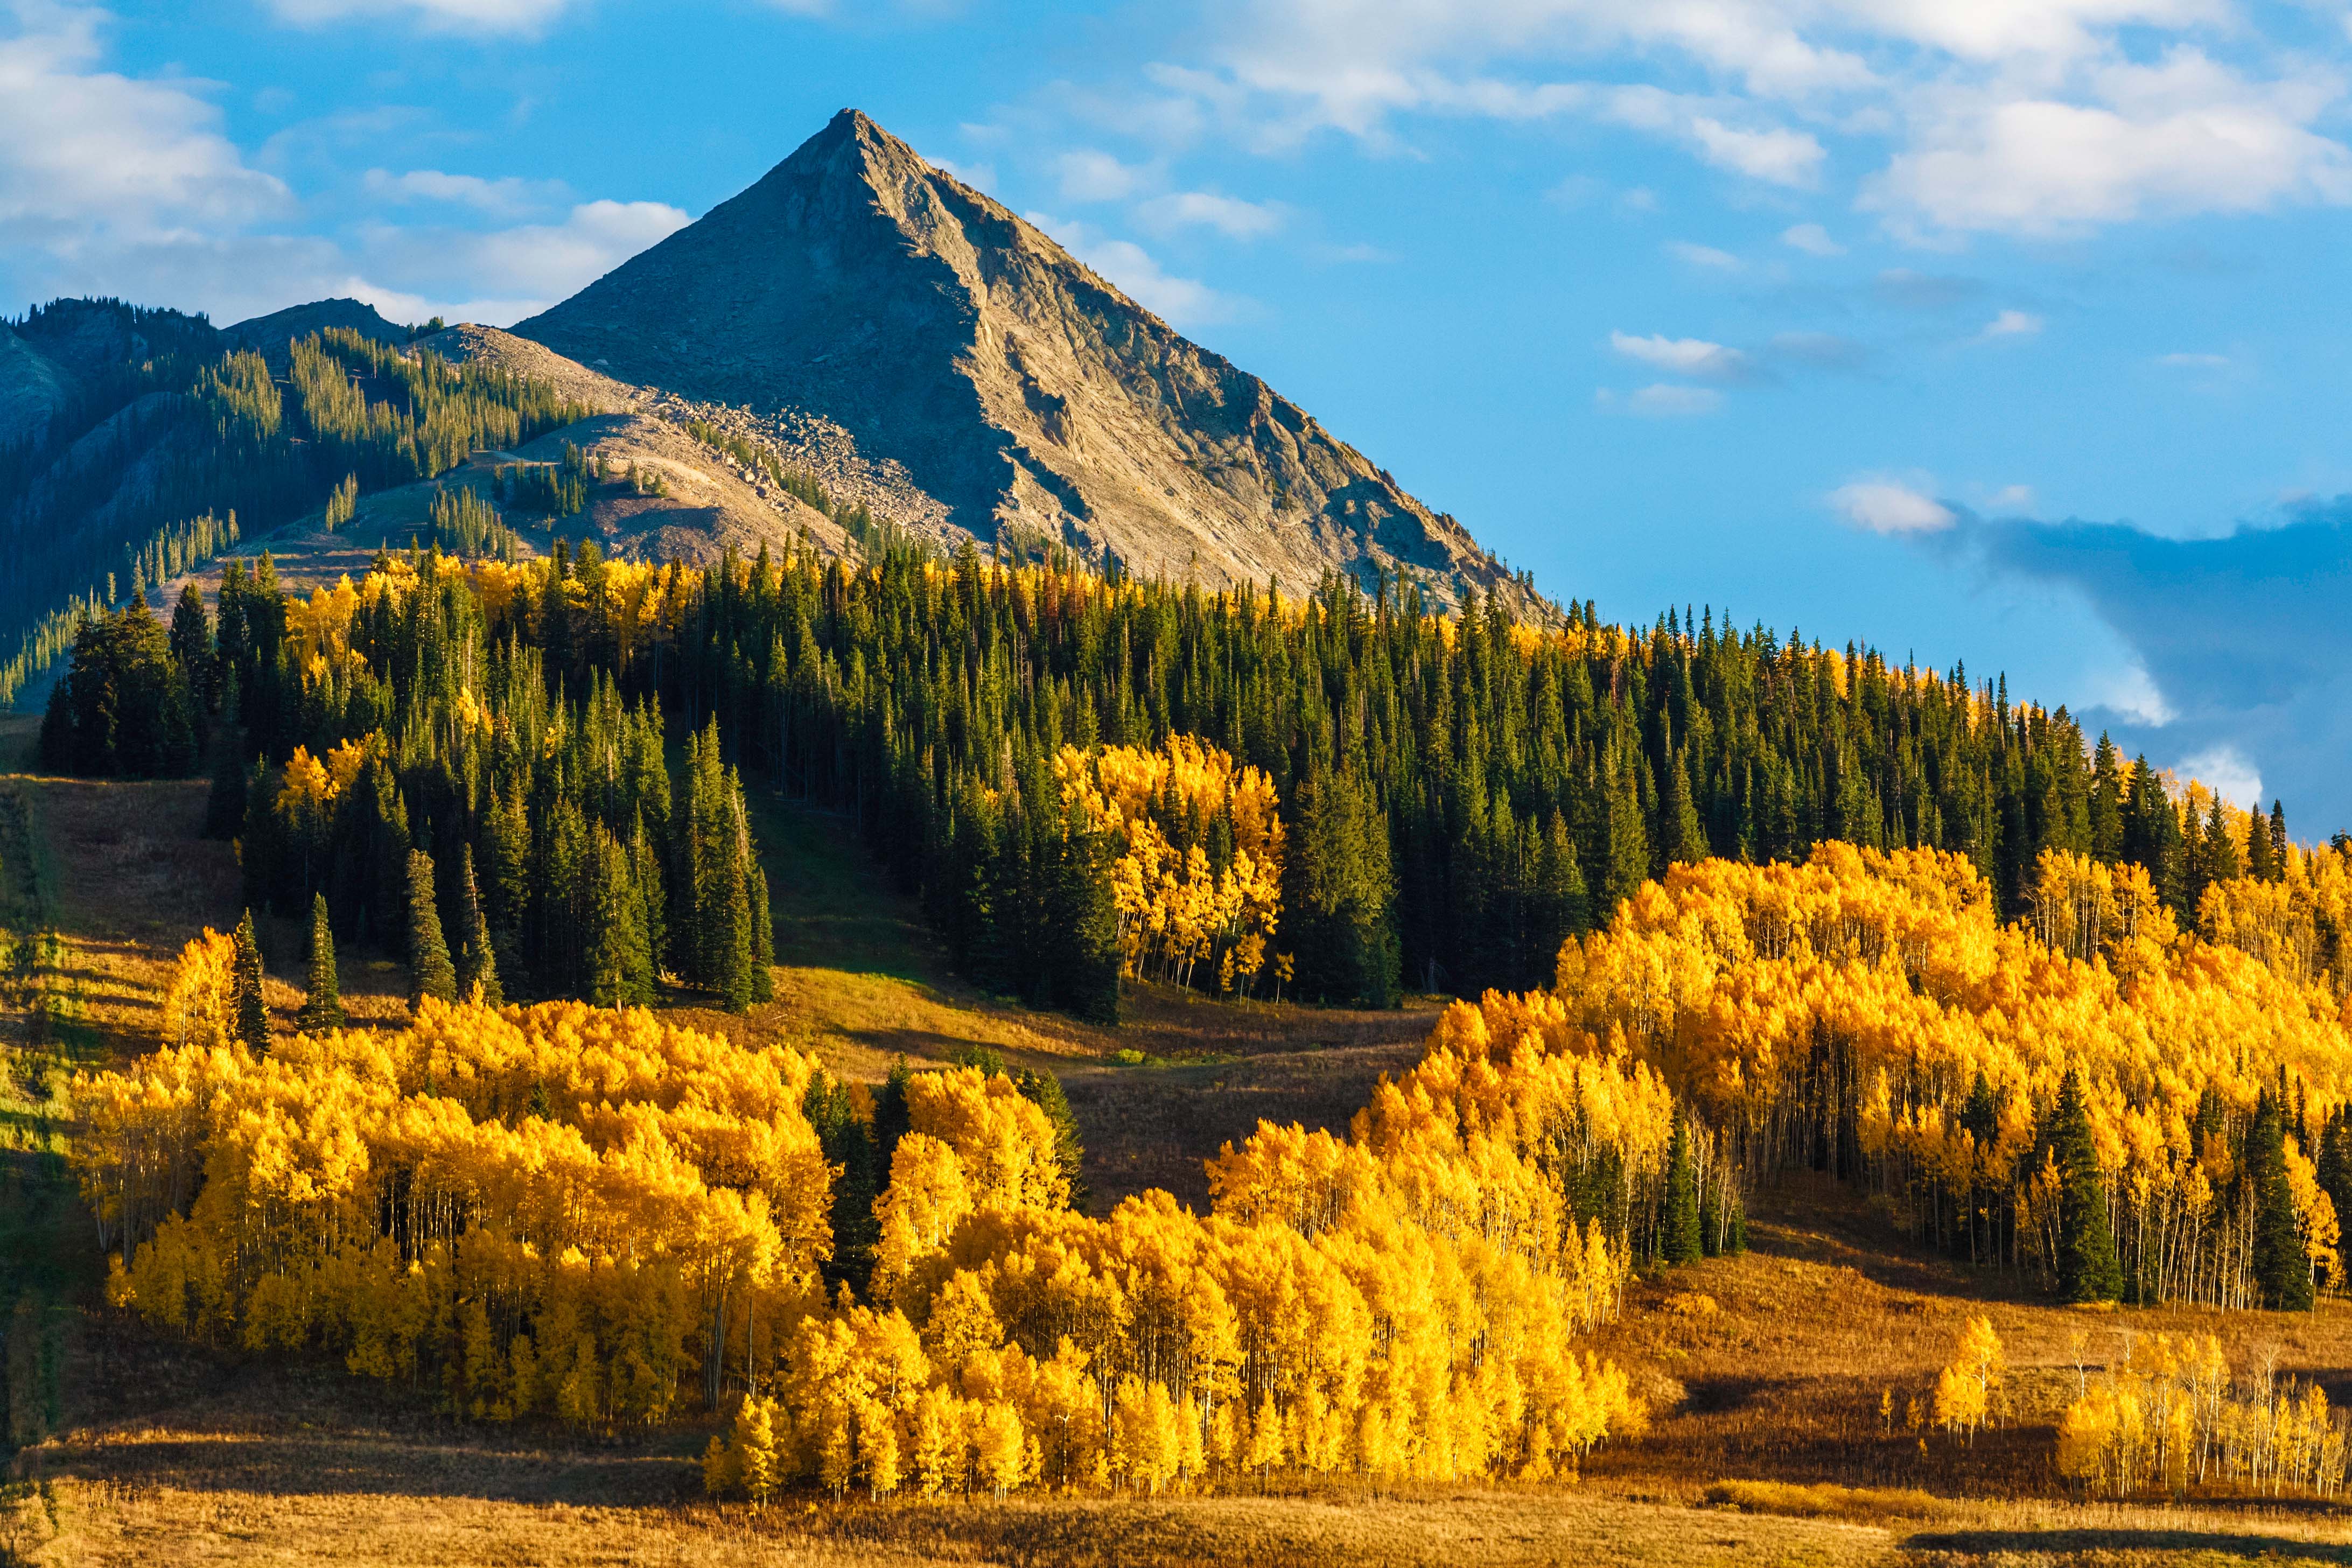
858	288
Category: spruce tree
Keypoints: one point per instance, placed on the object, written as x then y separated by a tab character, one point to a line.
430	972
1679	1237
2087	1269
478	962
225	807
2282	1269
2278	841
620	971
322	1002
252	1010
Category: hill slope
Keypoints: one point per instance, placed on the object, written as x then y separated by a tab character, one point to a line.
857	286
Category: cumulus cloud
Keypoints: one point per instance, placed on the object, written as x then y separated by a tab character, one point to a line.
1229	216
2011	324
92	158
112	184
2246	657
2011	116
2186	135
1182	302
503	197
1891	506
2229	772
1704	256
1693	357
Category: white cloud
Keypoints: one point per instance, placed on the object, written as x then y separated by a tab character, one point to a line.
482	16
531	266
1228	214
2194	362
2227	772
1704	256
2011	324
978	176
503	197
1693	357
2186	136
1182	302
2011	499
1781	156
1811	238
2013	116
1890	506
2132	692
1087	175
92	158
1774	154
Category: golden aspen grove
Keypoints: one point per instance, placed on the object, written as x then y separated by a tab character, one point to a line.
587	1214
884	1049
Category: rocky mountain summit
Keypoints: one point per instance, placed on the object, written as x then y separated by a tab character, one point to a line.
875	317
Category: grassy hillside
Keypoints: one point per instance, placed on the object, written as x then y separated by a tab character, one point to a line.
1766	1372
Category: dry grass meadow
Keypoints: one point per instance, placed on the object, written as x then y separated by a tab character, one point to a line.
1766	1372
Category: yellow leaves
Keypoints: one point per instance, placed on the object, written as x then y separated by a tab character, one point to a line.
1001	1139
2167	1415
1175	905
664	1165
1964	1389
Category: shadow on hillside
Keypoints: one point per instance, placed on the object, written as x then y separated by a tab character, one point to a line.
316	1462
1812	1219
2043	1545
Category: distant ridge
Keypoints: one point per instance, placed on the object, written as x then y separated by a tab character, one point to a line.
270	334
856	285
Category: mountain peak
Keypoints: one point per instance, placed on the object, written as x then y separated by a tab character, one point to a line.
1026	395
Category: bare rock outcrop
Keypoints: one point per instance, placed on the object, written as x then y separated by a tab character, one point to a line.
859	296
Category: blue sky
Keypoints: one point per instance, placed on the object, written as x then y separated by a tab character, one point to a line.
2003	331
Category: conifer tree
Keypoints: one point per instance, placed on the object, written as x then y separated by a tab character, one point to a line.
477	963
430	972
620	970
1679	1237
322	1002
2262	859
252	1010
2281	1267
2087	1269
1341	888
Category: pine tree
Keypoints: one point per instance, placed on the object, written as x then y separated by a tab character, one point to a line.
322	1003
430	971
1342	887
2282	1270
477	963
2262	862
2279	855
252	1010
1679	1237
2087	1269
620	970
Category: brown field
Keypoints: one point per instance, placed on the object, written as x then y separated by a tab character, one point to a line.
1765	1372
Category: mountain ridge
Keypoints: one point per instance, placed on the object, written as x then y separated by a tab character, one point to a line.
1024	392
